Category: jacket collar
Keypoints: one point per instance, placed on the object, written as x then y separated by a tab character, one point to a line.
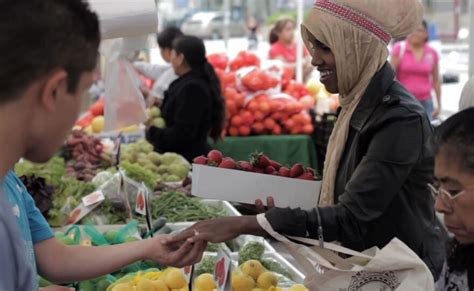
374	95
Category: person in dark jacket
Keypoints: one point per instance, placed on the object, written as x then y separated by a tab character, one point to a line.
380	156
193	107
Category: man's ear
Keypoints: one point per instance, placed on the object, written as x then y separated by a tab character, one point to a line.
55	86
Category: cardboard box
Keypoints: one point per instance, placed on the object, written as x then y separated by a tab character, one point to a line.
246	187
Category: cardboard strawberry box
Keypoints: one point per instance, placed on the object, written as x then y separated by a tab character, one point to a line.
245	187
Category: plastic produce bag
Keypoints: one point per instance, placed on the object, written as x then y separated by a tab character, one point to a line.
125	18
124	102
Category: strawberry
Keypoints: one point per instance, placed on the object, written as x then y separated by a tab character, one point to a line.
270	170
259	160
228	163
296	171
284	172
245	166
311	170
275	164
259	170
306	176
275	173
201	160
214	158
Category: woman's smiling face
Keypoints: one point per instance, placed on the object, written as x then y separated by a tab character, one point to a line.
323	59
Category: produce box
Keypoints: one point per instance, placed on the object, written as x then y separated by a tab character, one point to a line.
246	187
127	137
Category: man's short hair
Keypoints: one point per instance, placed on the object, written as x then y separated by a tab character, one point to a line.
39	36
167	36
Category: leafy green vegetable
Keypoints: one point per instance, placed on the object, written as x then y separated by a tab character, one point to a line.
52	171
252	250
207	265
141	174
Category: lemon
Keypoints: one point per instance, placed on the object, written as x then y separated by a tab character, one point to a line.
160	285
175	279
274	289
153	275
145	285
242	282
205	282
129	129
253	268
123	287
98	124
88	129
298	287
267	280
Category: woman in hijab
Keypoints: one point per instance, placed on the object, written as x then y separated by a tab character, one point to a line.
380	158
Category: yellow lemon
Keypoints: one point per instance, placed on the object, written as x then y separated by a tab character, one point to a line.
89	130
175	279
274	289
253	268
205	282
160	285
298	287
123	287
98	124
145	285
242	282
129	129
267	280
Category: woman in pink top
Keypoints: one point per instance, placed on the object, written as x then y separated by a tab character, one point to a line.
283	46
417	67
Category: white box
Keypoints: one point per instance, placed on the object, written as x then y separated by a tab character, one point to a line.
246	187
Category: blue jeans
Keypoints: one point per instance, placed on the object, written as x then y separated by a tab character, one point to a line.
429	107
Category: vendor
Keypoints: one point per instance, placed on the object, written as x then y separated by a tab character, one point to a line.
193	107
379	158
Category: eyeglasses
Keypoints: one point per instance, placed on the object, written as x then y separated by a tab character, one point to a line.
444	194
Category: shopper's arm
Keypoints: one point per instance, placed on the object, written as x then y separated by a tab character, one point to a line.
150	70
60	263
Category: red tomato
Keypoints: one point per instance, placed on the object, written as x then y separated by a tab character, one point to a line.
244	130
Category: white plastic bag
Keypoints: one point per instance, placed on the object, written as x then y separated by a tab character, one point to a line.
124	102
394	267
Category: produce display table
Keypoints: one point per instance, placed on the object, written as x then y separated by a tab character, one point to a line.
286	149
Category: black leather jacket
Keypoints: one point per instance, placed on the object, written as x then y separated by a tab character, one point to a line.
381	190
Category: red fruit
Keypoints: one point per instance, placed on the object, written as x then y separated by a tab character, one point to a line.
259	170
247	117
245	166
228	163
311	170
296	171
306	176
214	158
277	130
97	108
270	170
284	172
269	123
258	127
236	121
259	116
244	130
259	160
233	131
275	164
308	129
201	160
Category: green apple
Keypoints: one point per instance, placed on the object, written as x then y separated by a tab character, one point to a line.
159	122
155	112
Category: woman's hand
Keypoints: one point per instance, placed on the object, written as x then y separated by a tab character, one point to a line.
261	208
436	112
178	253
219	230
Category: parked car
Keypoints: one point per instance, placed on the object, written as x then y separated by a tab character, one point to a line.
210	25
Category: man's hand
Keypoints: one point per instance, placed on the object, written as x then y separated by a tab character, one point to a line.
436	112
178	253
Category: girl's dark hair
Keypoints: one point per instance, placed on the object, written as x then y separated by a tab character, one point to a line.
457	133
278	28
194	52
425	25
167	36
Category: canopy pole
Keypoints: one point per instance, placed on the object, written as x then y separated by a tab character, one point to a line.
299	42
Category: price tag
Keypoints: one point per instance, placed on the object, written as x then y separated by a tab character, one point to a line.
93	198
223	269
